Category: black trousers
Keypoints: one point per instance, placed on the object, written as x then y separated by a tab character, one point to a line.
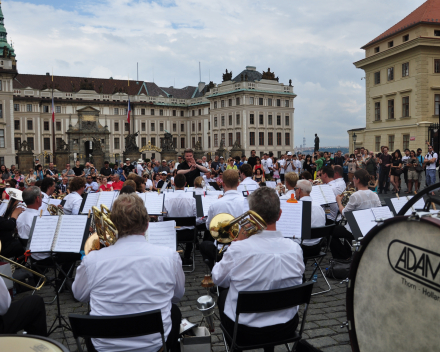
63	259
209	251
13	250
247	335
186	236
341	250
27	314
383	179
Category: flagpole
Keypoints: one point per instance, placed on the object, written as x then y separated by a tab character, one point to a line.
54	158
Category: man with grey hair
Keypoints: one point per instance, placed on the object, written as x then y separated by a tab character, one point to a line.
302	193
264	261
33	199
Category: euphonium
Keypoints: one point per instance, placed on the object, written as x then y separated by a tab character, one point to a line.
224	227
347	194
106	233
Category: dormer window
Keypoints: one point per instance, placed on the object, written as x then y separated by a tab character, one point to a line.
436	33
390	44
376	49
405	38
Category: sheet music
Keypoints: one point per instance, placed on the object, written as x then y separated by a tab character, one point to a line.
91	200
55	202
207	201
214	193
70	233
399	203
189	189
290	222
171	195
154	202
382	213
162	234
249	188
365	220
317	196
106	198
271	184
44	233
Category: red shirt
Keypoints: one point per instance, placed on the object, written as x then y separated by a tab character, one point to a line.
105	188
117	185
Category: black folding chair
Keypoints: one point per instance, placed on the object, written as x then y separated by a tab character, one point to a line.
187	221
320	232
116	327
270	301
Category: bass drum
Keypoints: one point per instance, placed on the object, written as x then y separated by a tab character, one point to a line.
393	295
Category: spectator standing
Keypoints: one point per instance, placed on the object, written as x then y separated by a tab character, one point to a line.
396	170
78	170
106	170
339	159
385	167
430	162
127	167
370	164
257	165
215	164
319	161
405	160
352	165
40	173
252	161
421	159
52	172
18	177
164	167
412	174
120	172
281	163
149	170
140	167
231	165
4	173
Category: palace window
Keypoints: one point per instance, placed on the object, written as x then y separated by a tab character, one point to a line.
209	141
30	125
193	142
405	38
230	139
237	101
153	141
161	126
193	127
377	111
278	120
405	107
261	138
279	138
182	142
405	141
269	119
436	66
143	141
58	109
127	127
229	102
390	73
46	125
261	119
269	102
46	143
278	102
286	103
45	108
142	111
58	125
200	127
377	77
251	100
287	139
116	126
161	112
405	69
215	140
116	111
174	112
251	138
17	125
143	126
238	137
223	120
222	103
391	109
153	127
377	143
174	127
30	142
29	107
376	49
152	112
270	138
237	119
200	112
260	101
251	119
2	140
193	113
436	104
182	113
182	127
391	142
215	105
390	44
16	107
287	120
230	120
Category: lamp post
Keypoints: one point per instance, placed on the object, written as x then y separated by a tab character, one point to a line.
354	141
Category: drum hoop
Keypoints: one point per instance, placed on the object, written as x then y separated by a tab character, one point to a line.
53	342
352	277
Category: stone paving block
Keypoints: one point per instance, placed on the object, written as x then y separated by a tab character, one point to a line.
342	337
340	348
322	342
328	322
336	315
313	333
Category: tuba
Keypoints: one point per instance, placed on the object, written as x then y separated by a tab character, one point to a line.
224	227
106	233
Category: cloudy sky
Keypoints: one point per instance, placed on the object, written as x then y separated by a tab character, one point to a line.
313	42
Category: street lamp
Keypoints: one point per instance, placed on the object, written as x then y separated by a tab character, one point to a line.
354	141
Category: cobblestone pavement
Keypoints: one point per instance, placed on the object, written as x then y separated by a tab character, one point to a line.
322	329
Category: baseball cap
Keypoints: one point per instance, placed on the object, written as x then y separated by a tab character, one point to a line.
128	159
163	172
221	157
164	161
289	153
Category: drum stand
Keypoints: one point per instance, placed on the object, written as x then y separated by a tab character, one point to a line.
62	323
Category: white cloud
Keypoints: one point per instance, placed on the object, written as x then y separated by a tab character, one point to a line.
313	43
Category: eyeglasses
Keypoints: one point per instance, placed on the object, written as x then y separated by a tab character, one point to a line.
295	188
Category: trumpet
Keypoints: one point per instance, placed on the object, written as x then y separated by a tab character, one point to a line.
224	227
4	259
106	233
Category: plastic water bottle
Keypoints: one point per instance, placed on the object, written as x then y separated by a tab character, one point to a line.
315	278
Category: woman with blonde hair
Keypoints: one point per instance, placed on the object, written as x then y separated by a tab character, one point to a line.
231	165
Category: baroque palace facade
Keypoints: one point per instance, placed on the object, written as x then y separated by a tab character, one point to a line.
251	109
402	74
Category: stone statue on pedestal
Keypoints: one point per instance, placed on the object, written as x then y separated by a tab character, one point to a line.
168	150
316	142
130	142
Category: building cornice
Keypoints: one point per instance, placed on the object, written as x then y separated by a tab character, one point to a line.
215	95
398	49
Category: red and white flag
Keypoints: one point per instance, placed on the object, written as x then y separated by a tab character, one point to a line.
128	111
53	110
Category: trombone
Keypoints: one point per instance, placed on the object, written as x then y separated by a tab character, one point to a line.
25	268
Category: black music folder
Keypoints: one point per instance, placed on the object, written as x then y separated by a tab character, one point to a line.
362	221
58	233
295	220
199	205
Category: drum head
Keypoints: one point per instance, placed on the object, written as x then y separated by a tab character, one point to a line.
393	297
14	343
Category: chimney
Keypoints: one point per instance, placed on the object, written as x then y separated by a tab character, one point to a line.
201	86
47	74
251	68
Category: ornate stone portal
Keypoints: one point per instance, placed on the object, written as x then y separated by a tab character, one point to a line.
81	137
168	151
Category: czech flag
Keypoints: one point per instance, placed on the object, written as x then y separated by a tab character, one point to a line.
128	111
53	110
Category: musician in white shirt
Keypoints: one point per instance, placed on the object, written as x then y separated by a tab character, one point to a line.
246	177
74	199
230	203
291	178
363	198
302	193
28	313
337	184
265	261
139	277
181	205
47	188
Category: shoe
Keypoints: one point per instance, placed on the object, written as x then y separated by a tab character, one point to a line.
187	261
213	290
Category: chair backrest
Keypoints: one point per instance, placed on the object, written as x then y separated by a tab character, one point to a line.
274	300
119	326
186	221
323	231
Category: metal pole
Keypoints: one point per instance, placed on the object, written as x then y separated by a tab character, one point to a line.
54	158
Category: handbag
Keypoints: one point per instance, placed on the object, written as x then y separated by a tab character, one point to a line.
339	268
419	168
398	172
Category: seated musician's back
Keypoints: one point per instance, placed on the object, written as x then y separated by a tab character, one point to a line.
264	261
132	276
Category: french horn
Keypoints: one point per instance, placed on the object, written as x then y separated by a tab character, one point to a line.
106	233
